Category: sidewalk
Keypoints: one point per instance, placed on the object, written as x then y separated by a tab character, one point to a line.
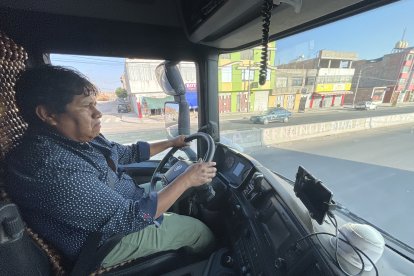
131	118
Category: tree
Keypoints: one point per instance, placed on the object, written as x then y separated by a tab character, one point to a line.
121	92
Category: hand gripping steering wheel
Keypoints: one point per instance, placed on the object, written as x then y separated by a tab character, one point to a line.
181	165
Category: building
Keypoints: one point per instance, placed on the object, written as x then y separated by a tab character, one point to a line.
389	79
239	89
146	96
320	82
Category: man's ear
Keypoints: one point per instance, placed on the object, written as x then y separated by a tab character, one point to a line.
45	115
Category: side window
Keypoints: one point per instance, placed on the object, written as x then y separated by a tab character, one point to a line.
297	81
247	74
344	64
268	74
226	74
310	81
281	82
130	99
246	54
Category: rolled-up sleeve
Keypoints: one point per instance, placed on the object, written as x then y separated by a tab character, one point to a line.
134	153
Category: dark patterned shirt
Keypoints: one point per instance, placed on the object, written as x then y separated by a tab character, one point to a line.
65	189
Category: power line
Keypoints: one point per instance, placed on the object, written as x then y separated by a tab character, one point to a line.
374	78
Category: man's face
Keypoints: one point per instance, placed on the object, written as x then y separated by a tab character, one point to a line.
81	120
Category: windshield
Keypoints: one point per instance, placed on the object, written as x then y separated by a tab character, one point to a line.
327	78
266	112
324	77
130	99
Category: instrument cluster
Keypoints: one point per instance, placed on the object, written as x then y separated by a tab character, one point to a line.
234	169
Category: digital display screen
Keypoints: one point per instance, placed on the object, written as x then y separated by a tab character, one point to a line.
238	169
276	227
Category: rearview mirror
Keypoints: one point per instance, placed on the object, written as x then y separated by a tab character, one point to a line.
169	78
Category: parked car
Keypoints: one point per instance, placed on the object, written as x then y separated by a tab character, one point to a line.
366	105
274	114
124	108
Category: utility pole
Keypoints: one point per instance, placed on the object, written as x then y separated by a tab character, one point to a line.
360	75
356	88
248	87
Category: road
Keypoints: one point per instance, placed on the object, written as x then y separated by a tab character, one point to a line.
127	128
370	172
316	116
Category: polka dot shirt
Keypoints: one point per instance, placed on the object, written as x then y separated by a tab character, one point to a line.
65	190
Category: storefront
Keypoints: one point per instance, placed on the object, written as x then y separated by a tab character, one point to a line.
154	106
328	99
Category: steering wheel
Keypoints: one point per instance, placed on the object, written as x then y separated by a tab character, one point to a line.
181	165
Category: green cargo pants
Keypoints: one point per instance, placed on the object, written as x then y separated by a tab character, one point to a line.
176	231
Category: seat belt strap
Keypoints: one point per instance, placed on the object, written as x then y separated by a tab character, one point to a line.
91	255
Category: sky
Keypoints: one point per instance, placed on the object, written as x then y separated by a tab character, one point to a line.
371	35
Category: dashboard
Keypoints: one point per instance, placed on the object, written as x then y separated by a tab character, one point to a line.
258	220
266	226
262	233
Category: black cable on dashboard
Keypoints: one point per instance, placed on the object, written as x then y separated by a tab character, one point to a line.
356	249
326	251
333	220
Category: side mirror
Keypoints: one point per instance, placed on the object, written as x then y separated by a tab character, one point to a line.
169	78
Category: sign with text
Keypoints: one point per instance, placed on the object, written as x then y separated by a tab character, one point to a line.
191	86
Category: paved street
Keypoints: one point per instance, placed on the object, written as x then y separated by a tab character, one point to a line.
315	116
370	172
127	128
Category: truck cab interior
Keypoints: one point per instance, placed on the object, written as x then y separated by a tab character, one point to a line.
262	224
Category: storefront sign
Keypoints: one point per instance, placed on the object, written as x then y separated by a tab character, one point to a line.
191	86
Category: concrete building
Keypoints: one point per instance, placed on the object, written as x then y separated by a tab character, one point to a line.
320	82
238	78
389	79
146	96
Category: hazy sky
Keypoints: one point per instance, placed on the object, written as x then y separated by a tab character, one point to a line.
371	35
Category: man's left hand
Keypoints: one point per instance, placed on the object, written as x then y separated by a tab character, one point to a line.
179	142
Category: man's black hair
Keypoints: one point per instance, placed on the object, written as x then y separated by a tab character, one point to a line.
51	86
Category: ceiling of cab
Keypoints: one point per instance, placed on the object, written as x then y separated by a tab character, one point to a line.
152	12
223	24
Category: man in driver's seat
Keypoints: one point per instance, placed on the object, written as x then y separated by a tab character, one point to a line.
64	175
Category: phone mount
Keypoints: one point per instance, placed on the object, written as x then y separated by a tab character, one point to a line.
314	195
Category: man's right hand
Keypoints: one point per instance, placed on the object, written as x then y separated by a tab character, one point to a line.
199	173
196	175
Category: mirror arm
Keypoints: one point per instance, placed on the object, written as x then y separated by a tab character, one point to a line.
184	118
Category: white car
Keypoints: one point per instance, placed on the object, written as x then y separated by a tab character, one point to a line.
366	105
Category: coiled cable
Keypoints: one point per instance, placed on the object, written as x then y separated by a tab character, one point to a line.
266	14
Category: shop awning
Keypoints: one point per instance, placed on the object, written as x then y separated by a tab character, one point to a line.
156	103
191	98
333	93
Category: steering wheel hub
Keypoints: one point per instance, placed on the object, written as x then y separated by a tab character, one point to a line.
181	165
